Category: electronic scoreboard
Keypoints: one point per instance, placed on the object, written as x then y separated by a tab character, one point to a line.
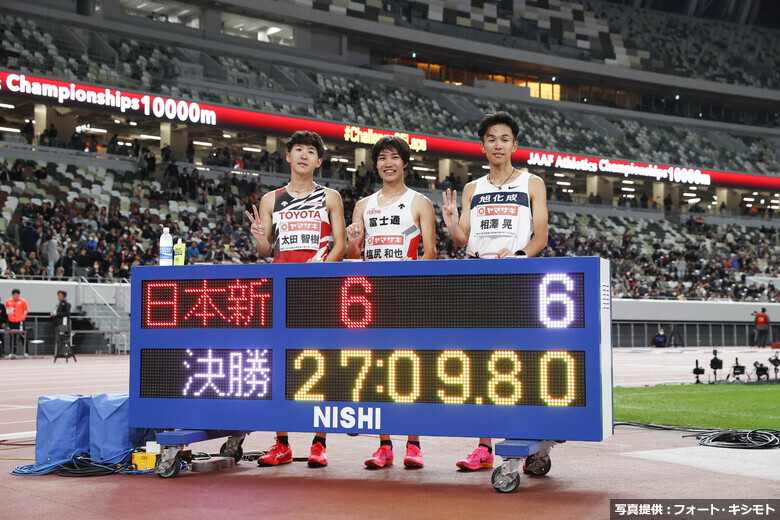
511	348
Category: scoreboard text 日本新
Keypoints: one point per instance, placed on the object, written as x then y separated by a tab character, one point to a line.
516	348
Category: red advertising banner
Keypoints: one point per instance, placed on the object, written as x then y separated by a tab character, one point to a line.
175	110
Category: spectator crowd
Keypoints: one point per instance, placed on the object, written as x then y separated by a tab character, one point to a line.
62	240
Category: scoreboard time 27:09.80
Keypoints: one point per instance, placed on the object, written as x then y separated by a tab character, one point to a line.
522	345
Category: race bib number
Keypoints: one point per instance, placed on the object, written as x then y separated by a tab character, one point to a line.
494	220
385	247
298	235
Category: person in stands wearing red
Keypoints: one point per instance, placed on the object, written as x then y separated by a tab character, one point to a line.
320	238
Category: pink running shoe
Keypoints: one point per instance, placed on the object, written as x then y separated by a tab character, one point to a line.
381	457
278	454
479	458
317	457
413	458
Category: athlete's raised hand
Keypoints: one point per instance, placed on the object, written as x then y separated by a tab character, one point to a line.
257	228
449	209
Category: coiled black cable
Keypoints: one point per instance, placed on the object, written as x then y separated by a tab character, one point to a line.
760	438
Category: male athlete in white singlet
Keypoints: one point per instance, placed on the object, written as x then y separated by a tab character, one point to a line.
307	225
504	216
388	225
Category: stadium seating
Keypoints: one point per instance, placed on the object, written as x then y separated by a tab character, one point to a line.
695	47
191	74
382	105
595	30
651	257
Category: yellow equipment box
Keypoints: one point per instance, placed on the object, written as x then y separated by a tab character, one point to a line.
144	461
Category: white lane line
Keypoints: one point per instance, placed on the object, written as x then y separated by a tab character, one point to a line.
18	436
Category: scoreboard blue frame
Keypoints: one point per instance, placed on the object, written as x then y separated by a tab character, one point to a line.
512	348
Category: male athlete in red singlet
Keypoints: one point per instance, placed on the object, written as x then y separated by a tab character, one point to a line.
390	223
307	225
504	216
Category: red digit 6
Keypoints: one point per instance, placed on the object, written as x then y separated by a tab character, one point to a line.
350	300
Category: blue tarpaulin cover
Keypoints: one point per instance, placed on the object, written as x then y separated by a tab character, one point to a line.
62	427
110	435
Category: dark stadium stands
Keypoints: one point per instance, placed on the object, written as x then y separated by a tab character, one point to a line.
193	74
105	221
116	212
695	47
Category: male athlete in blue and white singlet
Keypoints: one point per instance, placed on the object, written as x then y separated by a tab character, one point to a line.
504	216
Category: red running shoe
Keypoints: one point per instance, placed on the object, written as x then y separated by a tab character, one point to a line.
317	457
413	458
479	458
381	457
278	454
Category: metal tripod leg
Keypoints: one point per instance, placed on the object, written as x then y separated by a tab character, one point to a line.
66	350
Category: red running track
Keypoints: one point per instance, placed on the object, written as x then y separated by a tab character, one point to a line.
633	463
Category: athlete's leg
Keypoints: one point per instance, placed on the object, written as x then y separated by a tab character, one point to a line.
383	456
279	453
482	457
413	457
317	456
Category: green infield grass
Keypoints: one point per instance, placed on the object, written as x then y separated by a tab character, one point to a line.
726	406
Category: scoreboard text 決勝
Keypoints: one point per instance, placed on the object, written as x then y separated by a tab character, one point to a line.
513	348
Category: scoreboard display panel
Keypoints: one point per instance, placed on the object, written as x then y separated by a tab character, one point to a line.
512	348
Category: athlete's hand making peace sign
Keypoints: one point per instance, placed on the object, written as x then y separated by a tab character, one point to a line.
258	229
449	210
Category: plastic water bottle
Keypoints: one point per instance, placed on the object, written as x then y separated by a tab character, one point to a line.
166	247
178	253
